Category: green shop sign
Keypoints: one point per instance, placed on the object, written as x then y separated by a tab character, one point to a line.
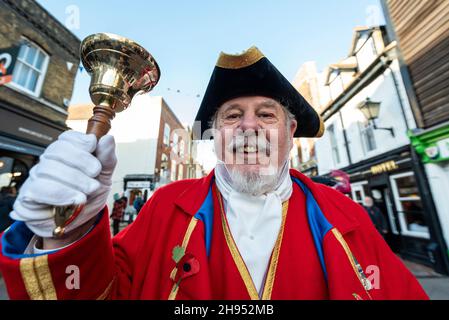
431	145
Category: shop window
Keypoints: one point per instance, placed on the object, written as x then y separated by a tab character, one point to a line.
13	172
30	69
359	190
409	205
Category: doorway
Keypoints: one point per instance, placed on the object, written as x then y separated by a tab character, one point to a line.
382	199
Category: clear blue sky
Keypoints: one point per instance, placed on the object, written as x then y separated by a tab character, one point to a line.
185	37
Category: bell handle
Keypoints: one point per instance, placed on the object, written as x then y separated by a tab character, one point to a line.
99	125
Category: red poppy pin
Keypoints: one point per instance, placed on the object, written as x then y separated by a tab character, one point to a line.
186	265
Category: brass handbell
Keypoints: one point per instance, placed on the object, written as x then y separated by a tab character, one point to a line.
119	68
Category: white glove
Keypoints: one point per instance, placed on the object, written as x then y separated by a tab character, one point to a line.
67	173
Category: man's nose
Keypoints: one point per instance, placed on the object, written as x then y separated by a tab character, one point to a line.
249	122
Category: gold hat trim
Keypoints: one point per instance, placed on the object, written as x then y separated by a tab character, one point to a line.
238	61
321	130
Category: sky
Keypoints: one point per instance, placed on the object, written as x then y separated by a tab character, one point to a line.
185	37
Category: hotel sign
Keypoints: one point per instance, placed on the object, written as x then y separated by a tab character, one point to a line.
384	167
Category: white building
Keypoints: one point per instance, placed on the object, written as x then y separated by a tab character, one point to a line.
375	152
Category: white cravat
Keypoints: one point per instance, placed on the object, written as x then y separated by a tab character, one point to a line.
254	221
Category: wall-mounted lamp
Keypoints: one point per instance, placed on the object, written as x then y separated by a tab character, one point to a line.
370	110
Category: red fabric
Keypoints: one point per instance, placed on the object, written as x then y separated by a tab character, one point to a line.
140	258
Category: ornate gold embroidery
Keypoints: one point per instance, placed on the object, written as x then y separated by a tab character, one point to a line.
185	242
238	61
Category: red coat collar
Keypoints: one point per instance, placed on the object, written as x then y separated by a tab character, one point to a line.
335	206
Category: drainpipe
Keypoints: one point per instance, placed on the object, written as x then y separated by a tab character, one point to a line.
348	153
396	86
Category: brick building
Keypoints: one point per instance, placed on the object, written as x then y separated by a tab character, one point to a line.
42	56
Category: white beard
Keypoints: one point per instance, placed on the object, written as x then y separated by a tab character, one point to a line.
253	183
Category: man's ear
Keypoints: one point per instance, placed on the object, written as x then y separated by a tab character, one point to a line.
293	126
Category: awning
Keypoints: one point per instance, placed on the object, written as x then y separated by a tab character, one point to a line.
19	146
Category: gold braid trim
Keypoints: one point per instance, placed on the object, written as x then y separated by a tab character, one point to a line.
355	265
243	270
268	288
238	61
241	266
321	130
106	292
37	279
185	242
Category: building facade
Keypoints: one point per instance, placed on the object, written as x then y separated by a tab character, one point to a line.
368	118
421	29
38	64
308	81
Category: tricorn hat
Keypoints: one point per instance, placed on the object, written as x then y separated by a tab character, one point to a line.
251	74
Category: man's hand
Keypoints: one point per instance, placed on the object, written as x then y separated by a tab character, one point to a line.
68	173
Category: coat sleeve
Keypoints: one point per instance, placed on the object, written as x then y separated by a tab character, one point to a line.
94	267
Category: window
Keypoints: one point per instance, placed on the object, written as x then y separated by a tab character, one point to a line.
173	170
166	140
164	166
181	149
409	205
334	145
175	144
359	190
367	133
30	69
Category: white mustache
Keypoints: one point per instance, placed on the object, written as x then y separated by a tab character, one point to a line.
250	143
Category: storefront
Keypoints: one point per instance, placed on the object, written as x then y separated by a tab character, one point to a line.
23	138
398	191
432	146
136	184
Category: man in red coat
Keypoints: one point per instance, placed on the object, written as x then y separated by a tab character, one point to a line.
251	229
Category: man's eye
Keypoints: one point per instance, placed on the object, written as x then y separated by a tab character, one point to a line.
266	115
232	116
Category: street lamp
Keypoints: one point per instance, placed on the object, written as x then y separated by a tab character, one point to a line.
370	110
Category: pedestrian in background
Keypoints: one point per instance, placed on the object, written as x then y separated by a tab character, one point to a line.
376	216
138	202
117	212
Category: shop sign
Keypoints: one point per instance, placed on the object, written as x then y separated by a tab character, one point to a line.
443	146
384	167
138	184
8	57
